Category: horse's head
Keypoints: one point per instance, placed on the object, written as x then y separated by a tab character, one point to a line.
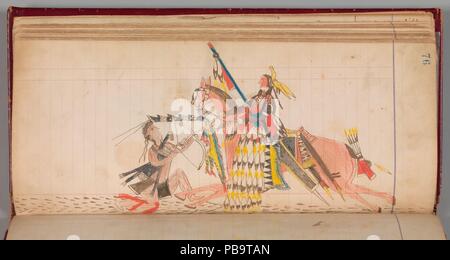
208	92
210	102
201	94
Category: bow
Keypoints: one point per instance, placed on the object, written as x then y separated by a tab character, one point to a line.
175	118
199	142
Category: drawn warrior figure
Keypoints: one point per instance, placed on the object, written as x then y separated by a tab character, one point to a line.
156	182
266	104
260	158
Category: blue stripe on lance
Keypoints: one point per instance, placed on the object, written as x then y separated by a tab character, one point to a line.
216	54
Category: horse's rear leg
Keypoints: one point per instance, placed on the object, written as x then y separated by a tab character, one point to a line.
363	190
361	200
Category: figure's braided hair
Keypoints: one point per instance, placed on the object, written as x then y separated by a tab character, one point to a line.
269	81
146	137
145	128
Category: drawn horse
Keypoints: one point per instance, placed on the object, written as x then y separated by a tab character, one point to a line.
334	164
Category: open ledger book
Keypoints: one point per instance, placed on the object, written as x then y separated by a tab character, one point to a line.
211	125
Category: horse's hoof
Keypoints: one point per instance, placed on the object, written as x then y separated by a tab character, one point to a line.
182	198
189	206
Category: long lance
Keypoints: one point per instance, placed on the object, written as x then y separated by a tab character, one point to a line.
227	72
158	119
161	119
175	118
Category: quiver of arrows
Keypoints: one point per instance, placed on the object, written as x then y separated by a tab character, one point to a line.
355	151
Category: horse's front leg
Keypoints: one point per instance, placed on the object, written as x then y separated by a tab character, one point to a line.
198	197
363	190
136	202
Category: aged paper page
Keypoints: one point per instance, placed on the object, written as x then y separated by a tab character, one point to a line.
355	115
230	227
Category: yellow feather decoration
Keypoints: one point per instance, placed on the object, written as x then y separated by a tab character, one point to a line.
280	87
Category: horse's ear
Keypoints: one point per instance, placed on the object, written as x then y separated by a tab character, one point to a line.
209	81
203	83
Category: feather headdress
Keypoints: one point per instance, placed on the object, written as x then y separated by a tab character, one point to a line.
279	86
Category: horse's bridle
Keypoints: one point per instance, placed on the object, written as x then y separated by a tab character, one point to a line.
206	91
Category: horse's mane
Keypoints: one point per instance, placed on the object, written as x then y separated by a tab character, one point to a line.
220	92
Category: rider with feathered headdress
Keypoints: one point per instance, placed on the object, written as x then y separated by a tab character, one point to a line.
271	86
268	94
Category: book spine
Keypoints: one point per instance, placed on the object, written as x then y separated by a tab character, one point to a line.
11	15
